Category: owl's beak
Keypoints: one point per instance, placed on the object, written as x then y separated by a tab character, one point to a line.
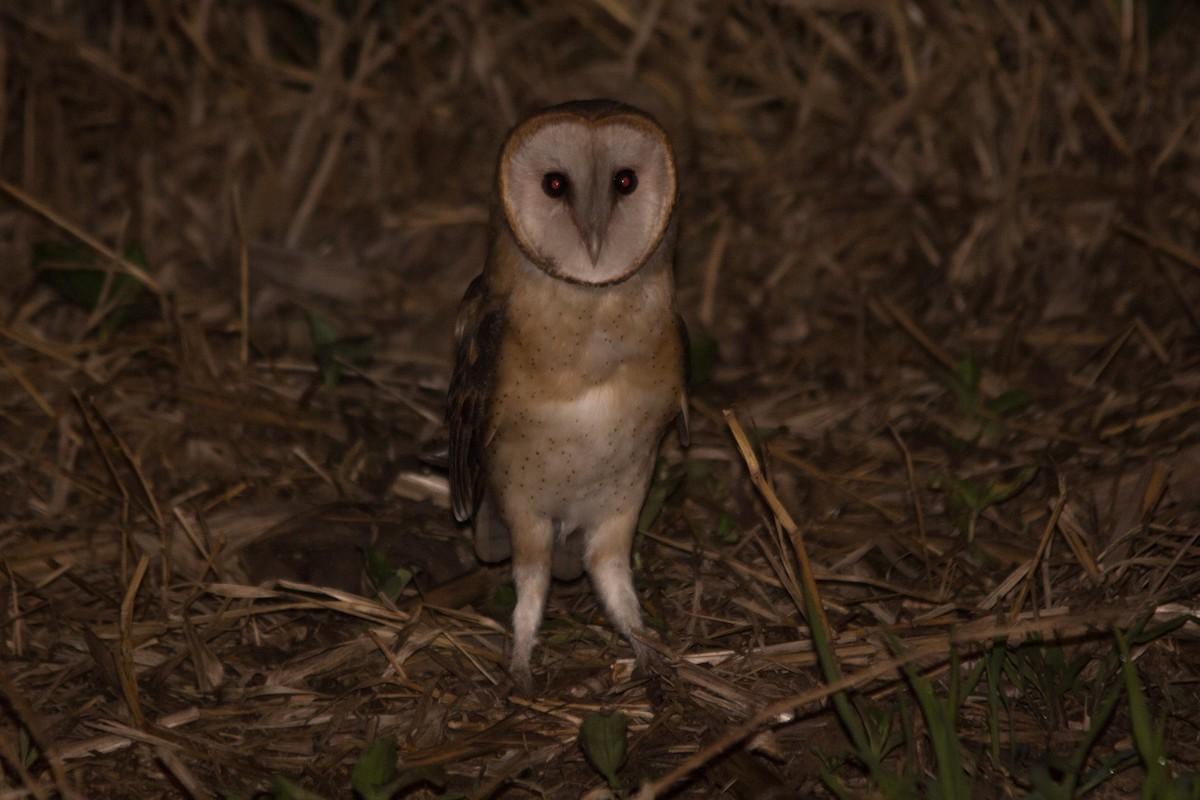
592	233
593	239
592	221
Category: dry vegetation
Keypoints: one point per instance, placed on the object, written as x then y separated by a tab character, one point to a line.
948	253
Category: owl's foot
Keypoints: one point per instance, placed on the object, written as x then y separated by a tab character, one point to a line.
522	678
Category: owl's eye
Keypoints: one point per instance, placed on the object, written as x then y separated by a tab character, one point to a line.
555	184
625	181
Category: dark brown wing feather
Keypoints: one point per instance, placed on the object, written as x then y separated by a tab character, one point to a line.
477	332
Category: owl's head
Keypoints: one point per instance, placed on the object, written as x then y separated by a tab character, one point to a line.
588	189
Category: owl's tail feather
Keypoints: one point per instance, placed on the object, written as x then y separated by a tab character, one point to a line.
492	540
568	556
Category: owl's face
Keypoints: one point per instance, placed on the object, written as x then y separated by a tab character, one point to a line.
588	189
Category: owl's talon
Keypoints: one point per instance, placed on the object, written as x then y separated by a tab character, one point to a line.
522	681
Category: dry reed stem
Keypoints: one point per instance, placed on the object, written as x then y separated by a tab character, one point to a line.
118	260
782	517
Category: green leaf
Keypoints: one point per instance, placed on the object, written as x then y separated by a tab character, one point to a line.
967	500
968	494
356	350
90	288
323	333
1009	403
332	350
369	789
51	252
394	586
500	604
379	569
283	789
432	774
603	739
388	580
28	750
1140	637
557	631
968	373
84	286
999	491
374	775
1147	736
725	533
994	657
963	383
233	794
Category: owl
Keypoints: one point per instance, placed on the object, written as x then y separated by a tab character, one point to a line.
571	359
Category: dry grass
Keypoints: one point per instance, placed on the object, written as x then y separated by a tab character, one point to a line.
873	193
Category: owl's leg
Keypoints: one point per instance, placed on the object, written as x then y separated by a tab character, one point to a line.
533	547
607	561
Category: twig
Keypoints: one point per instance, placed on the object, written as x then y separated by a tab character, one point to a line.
781	513
243	278
1185	257
53	217
124	661
1047	532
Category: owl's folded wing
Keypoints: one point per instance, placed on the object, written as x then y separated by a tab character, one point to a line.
477	333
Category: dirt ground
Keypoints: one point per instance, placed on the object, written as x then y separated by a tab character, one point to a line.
941	265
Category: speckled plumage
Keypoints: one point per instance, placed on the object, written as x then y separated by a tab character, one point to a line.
571	359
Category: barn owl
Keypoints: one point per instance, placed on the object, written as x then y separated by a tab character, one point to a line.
571	359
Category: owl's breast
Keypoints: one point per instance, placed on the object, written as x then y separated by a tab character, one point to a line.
576	458
586	383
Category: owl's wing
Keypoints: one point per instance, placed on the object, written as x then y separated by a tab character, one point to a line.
681	420
477	333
